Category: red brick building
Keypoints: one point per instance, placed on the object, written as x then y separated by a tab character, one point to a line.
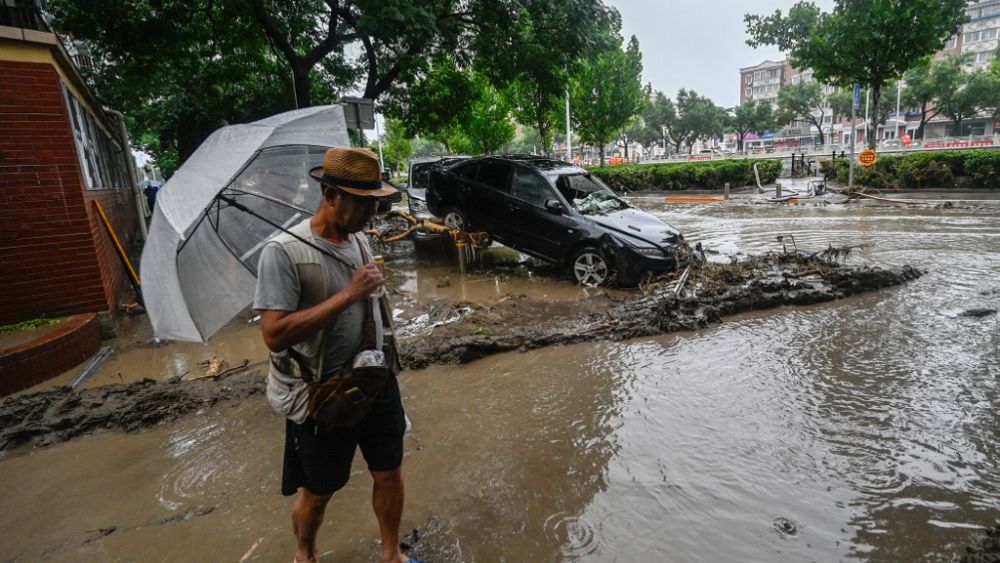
59	153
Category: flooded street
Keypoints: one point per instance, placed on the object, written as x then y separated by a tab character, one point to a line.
862	429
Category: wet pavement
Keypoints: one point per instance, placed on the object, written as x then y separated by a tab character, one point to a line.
865	428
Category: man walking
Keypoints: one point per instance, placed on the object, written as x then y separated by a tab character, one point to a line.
312	290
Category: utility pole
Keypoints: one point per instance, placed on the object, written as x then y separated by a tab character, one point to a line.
569	132
899	93
854	131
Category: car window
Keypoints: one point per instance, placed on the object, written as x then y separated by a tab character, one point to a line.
467	170
494	174
421	174
587	194
530	187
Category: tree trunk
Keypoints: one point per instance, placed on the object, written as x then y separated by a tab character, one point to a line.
303	97
819	127
600	151
626	148
739	142
876	106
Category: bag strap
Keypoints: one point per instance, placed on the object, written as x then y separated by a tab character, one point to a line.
368	328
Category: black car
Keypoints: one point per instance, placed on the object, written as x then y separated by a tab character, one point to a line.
557	212
416	188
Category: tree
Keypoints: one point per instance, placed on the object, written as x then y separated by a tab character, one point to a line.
697	118
750	117
397	147
487	126
546	49
607	92
863	41
970	94
802	102
923	87
660	116
179	69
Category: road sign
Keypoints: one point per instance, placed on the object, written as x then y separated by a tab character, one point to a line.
857	97
359	113
868	158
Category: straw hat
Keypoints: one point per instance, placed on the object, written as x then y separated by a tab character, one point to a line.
353	170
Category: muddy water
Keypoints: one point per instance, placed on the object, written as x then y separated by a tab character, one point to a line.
861	429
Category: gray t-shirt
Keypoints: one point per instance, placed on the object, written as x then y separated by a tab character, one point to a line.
278	290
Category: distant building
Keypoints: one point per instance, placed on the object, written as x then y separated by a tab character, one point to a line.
763	81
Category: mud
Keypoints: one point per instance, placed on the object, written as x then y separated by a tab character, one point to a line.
712	292
62	414
522	323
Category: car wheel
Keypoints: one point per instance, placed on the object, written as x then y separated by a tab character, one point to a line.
455	219
589	267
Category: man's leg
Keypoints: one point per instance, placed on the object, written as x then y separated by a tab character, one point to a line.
307	515
387	500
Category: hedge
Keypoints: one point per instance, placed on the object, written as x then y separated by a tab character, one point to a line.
686	175
946	169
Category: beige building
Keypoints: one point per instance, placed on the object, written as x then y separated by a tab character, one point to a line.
763	81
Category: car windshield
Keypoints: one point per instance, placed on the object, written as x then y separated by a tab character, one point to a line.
588	195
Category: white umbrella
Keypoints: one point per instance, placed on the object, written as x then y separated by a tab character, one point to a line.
212	218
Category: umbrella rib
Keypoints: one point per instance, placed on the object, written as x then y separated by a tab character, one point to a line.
271	199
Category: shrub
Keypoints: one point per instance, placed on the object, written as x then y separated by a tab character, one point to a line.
979	168
687	175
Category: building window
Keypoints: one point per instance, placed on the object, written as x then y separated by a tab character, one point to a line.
749	92
985	56
987	11
101	158
749	79
951	43
983	35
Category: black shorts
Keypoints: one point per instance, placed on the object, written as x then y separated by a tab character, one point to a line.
321	461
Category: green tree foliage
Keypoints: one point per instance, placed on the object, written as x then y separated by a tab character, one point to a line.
697	118
802	102
750	117
487	126
864	41
549	41
607	92
397	148
659	117
924	84
181	68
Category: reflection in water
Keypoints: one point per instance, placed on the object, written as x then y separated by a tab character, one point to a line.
865	428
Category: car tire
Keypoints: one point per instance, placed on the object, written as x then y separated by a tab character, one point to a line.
456	219
589	267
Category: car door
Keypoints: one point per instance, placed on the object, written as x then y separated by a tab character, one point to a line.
540	231
486	201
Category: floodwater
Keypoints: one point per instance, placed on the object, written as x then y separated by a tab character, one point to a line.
864	429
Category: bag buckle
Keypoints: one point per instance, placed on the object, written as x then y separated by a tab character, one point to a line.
355	395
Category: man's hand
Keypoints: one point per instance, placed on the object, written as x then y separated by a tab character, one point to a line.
364	281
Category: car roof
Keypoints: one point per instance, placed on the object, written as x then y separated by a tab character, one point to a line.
426	159
543	164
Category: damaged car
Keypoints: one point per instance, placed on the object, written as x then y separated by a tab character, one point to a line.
557	212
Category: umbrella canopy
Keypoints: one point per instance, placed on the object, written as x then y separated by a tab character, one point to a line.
199	264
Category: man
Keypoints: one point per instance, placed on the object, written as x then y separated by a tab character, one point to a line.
312	289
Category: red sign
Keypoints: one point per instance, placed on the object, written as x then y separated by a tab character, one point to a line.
958	144
700	157
868	157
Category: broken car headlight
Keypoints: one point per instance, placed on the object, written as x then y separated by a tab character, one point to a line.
650	252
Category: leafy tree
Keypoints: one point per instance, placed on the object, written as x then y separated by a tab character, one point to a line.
863	41
546	49
437	103
971	93
397	147
426	147
750	117
607	92
802	102
487	126
659	116
697	118
179	69
924	84
840	105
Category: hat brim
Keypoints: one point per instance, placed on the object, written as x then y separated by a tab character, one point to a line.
387	189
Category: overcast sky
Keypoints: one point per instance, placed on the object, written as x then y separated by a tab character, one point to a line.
697	44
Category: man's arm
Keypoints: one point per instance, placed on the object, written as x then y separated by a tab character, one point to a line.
283	329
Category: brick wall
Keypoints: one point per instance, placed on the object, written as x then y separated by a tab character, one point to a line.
49	263
76	339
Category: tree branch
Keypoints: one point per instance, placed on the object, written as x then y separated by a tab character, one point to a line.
273	33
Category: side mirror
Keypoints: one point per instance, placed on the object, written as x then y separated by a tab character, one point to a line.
554	206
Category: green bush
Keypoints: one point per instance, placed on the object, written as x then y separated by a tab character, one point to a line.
977	169
687	175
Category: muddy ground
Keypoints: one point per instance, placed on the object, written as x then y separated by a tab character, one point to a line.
710	292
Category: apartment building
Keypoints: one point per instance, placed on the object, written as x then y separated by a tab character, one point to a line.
763	81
